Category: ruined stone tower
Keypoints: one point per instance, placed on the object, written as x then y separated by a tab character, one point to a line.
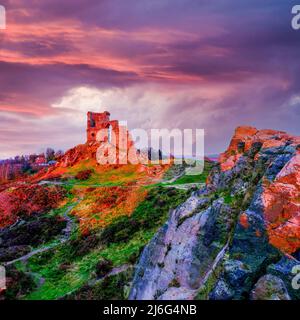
100	121
100	129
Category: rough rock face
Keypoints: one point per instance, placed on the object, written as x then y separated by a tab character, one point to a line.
244	139
252	202
278	155
77	154
270	287
281	202
172	265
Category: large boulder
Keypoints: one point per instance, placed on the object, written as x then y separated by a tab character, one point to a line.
270	287
178	260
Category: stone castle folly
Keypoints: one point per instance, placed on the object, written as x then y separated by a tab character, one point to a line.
111	131
100	121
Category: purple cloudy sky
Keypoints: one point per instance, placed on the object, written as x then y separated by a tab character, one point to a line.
155	63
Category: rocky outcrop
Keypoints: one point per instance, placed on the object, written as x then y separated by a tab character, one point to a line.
252	202
179	259
77	154
245	138
270	162
281	201
85	156
270	287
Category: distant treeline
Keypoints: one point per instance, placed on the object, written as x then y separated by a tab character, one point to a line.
19	166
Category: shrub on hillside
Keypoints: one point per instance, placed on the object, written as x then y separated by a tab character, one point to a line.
84	175
83	245
26	200
103	267
18	284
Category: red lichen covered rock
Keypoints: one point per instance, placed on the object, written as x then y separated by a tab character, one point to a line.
280	198
281	201
243	139
231	155
244	220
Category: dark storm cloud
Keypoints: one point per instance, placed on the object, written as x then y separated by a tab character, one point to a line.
47	82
